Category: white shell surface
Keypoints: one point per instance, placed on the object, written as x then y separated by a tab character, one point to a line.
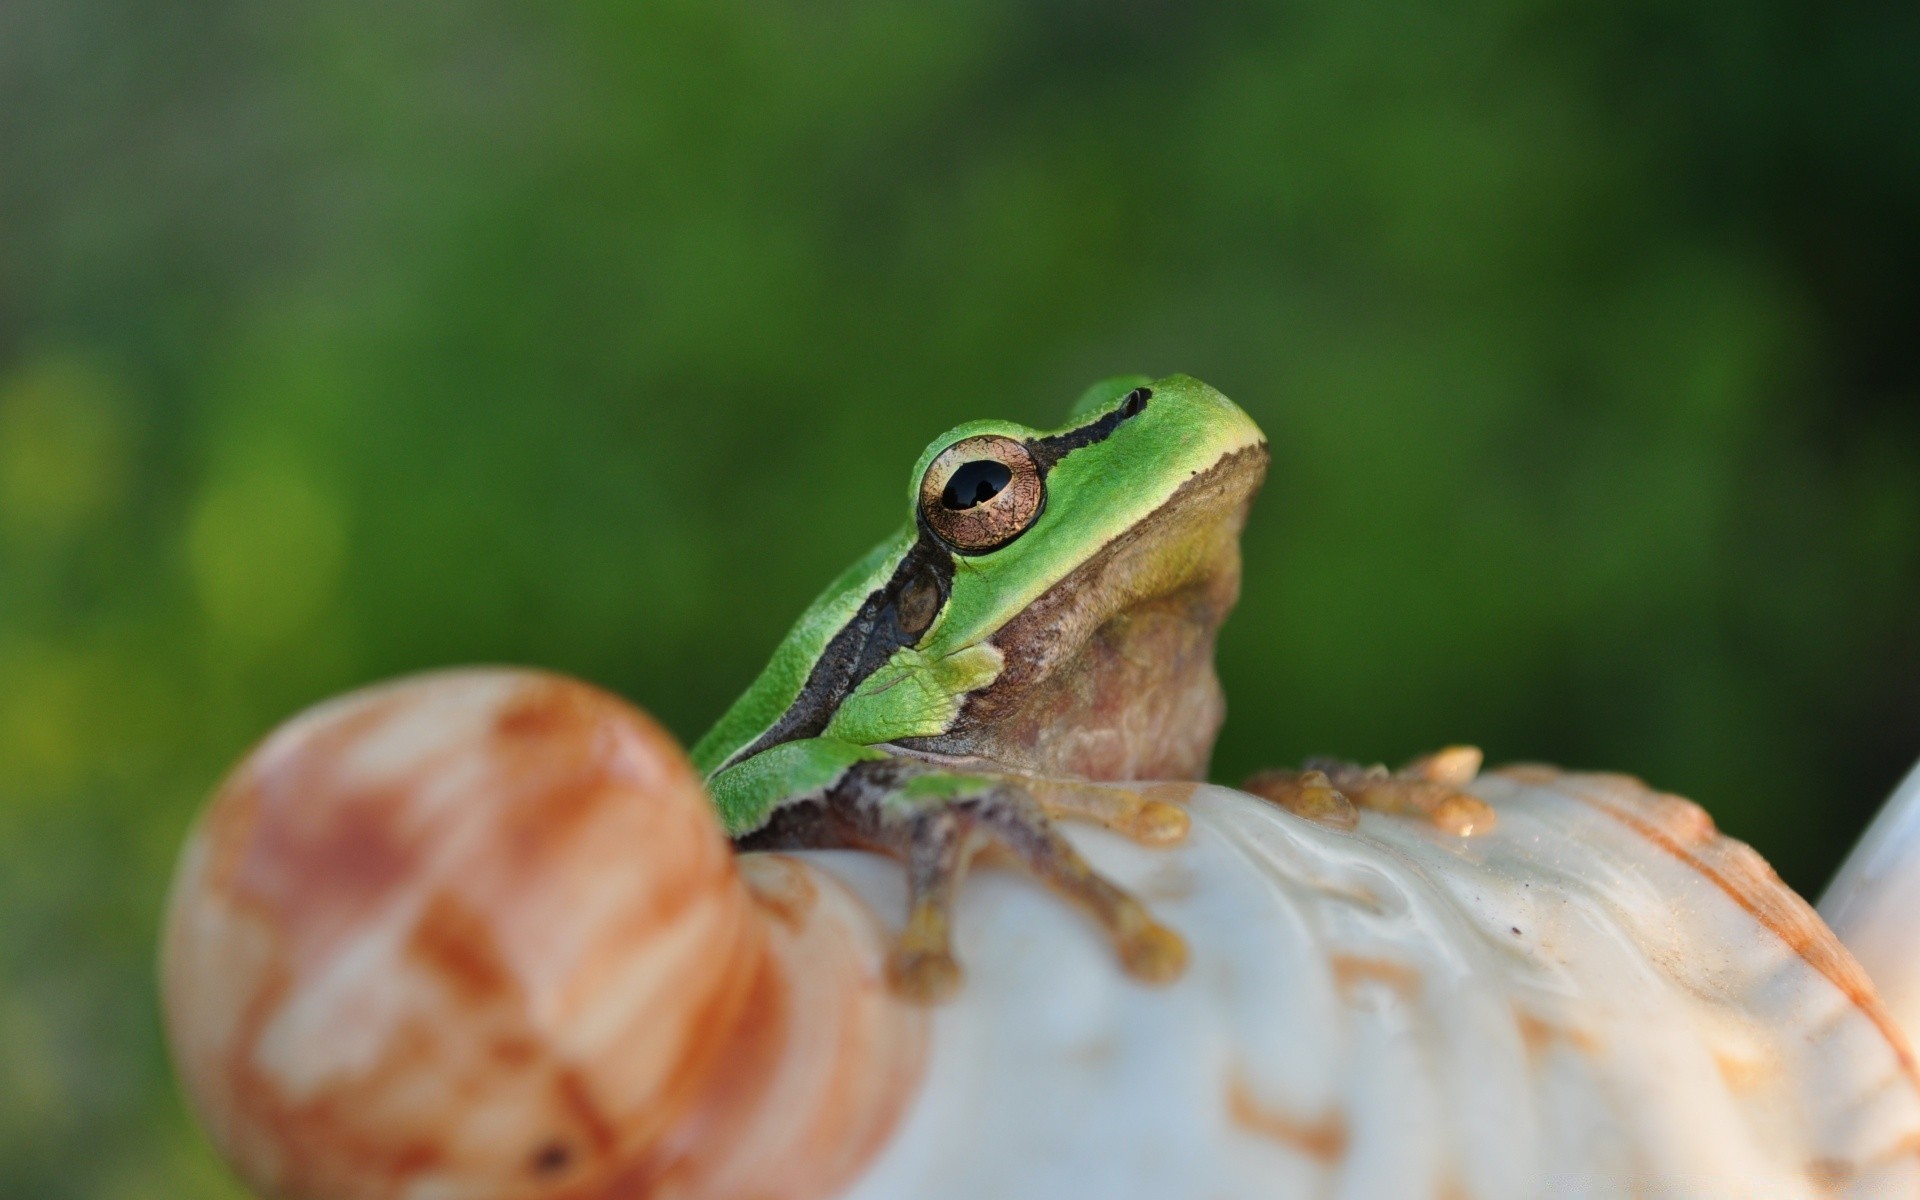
1874	903
1600	997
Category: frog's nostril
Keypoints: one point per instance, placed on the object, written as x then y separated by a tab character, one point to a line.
975	483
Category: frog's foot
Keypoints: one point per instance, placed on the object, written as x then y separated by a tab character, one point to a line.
1429	788
921	966
937	821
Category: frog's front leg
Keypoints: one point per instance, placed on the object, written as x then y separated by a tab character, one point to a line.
936	819
1429	788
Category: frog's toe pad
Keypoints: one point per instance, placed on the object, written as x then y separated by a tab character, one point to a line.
1308	794
924	976
1158	824
1153	953
1449	810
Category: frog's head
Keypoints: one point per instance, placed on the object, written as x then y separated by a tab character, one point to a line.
1099	560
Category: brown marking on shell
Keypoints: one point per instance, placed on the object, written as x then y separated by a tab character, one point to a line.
541	712
1905	1147
1682	829
1745	1073
1831	1175
329	866
547	736
1324	1140
1110	674
456	943
575	1096
1351	971
1541	1036
550	852
1357	894
1451	1188
514	1051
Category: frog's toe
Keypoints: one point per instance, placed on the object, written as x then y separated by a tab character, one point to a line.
1145	818
1455	766
1450	810
922	966
1428	788
1308	794
1153	953
1158	824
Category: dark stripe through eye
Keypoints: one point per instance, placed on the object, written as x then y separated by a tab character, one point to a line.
975	483
1050	450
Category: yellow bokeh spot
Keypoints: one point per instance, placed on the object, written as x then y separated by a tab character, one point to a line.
266	544
63	444
44	713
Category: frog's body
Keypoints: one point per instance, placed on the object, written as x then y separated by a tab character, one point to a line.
1047	615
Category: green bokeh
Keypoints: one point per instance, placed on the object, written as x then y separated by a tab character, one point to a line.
343	340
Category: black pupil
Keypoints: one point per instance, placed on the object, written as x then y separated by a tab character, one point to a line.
975	483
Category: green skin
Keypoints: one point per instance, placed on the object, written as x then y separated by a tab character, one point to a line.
841	702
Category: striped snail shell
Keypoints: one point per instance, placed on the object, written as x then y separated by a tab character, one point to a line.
477	934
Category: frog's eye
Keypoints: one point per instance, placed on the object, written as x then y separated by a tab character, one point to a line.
981	493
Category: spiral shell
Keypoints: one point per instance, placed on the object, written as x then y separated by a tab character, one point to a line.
477	934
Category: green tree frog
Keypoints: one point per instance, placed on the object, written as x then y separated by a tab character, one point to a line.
1040	632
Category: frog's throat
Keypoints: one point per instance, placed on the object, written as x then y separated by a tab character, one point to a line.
1109	675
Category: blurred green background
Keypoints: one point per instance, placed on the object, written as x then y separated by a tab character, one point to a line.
344	340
